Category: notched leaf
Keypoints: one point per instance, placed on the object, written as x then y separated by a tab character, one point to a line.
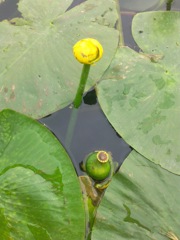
145	103
40	44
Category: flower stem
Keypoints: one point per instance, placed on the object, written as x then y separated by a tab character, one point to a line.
82	84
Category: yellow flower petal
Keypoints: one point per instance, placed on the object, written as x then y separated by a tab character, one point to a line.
88	51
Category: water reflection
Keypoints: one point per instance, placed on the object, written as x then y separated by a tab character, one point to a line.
8	10
91	131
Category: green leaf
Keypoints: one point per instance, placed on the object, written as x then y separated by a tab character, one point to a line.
40	192
38	72
142	202
140	92
159	35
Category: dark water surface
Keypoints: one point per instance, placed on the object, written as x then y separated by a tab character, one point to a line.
92	131
8	9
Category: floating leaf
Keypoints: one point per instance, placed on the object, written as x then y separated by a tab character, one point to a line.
40	192
142	202
39	73
140	92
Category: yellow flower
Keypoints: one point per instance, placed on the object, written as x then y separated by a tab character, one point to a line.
88	51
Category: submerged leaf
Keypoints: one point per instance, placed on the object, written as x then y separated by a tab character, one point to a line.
140	92
142	202
39	74
40	192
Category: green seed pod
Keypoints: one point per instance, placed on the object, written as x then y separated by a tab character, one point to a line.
98	166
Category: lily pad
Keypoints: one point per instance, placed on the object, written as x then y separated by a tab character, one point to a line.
39	73
159	35
142	202
40	191
140	91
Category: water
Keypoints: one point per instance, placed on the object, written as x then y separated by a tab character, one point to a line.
92	132
8	9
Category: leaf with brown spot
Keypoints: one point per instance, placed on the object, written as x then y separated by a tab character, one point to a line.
36	53
140	94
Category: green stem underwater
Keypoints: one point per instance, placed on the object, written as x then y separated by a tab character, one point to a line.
82	84
168	5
